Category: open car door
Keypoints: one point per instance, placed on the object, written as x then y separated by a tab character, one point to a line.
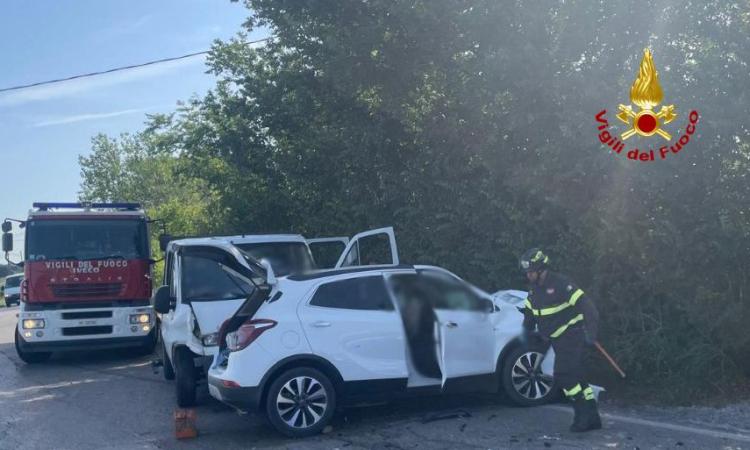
373	247
465	339
326	251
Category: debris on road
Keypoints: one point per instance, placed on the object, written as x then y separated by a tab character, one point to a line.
184	422
458	414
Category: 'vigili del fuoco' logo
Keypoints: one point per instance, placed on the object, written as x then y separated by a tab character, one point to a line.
646	94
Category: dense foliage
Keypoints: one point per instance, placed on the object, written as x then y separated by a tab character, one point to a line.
469	126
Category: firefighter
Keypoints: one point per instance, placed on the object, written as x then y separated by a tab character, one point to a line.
558	311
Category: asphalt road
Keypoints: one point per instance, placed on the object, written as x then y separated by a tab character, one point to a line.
114	400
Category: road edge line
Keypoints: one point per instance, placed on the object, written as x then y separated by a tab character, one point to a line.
664	425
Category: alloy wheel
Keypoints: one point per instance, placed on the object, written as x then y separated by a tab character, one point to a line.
301	402
527	377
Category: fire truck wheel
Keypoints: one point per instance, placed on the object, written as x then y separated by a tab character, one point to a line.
30	357
167	368
185	373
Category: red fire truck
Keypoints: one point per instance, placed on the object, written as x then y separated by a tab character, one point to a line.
87	279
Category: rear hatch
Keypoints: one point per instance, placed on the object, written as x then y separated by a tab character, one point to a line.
251	280
245	313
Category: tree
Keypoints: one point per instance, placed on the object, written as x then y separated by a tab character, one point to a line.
142	168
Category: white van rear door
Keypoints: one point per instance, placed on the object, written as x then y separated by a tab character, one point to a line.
373	247
326	251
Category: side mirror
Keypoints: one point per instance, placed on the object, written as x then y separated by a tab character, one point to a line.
163	241
7	226
7	240
162	300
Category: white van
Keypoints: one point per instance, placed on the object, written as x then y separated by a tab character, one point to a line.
12	291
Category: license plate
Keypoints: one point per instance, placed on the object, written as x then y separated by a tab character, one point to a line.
87	322
214	391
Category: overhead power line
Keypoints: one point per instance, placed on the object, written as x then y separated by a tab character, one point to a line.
116	69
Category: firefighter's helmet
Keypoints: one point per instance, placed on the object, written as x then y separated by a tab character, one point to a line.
534	260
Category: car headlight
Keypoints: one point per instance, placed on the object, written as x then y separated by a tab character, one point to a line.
29	324
140	318
211	339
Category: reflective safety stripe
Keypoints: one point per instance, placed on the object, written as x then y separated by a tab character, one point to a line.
527	303
570	323
556	309
574	298
552	310
573	391
588	393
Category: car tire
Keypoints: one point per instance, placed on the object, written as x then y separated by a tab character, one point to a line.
167	369
299	411
186	376
30	357
522	378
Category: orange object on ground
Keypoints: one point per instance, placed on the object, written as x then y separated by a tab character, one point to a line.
184	423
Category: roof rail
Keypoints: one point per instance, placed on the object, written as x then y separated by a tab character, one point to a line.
44	206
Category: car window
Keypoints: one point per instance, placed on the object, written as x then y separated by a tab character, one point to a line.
364	293
204	280
447	292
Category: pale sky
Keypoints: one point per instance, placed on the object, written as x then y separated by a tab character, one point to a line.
44	129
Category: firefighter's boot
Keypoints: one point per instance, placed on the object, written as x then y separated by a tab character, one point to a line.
586	416
577	402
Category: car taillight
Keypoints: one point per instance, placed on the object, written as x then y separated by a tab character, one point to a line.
24	290
247	333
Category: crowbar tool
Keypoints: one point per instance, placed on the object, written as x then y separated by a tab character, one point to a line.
609	358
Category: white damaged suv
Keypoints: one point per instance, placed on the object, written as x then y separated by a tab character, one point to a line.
302	345
197	296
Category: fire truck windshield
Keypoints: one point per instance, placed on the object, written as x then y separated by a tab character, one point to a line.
53	239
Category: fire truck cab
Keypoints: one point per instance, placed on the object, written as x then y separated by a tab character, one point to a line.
87	279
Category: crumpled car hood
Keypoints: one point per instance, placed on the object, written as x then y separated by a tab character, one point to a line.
510	296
